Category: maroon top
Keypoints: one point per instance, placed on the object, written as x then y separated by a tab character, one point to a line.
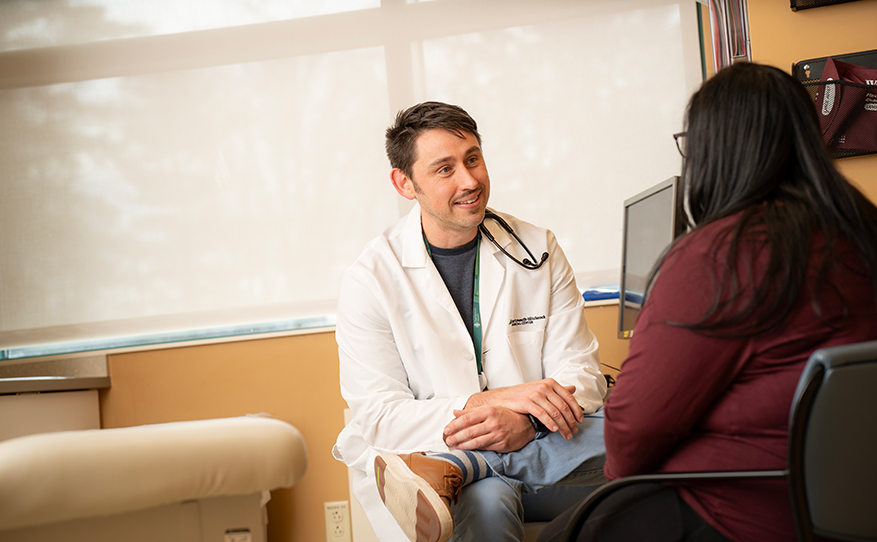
687	401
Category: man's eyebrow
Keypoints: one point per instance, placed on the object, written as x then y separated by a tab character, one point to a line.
440	161
448	159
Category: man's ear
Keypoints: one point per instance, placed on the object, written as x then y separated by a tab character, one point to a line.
402	183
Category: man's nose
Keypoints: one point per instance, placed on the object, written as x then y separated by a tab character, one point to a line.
466	179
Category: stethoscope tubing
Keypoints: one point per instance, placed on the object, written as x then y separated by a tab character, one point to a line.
526	263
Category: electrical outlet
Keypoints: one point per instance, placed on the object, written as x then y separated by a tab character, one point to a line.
337	521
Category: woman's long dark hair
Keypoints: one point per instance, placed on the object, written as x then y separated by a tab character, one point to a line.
754	147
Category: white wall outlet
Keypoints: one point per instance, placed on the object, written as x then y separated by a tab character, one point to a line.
337	521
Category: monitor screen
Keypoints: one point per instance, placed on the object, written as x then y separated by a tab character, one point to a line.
652	219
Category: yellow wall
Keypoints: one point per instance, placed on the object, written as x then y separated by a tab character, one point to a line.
296	378
293	378
603	321
781	37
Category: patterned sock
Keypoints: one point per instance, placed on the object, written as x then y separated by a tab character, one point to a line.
471	464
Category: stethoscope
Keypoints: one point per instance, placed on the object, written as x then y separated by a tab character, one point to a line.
526	263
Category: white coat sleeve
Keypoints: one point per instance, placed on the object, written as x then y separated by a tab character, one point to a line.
569	352
393	413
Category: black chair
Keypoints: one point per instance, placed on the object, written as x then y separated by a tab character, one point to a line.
831	467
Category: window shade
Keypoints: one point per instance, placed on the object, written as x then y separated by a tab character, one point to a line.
171	179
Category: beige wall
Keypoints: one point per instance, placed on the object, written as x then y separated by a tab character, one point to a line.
781	37
292	378
296	378
603	321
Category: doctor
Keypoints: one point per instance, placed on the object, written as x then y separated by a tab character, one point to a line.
453	341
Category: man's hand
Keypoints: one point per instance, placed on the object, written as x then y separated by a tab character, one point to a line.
553	404
489	427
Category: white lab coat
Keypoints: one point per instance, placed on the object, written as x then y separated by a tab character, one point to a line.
407	360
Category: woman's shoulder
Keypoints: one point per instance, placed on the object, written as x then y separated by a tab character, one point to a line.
705	241
713	254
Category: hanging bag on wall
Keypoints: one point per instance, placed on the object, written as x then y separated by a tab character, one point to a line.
846	102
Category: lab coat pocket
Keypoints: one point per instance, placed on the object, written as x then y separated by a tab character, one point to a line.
526	347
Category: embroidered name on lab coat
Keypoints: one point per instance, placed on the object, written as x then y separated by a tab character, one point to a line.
525	321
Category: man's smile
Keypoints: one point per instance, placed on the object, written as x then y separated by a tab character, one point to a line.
470	199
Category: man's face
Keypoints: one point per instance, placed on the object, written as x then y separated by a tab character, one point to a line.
450	181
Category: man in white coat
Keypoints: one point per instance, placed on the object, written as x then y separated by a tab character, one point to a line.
456	341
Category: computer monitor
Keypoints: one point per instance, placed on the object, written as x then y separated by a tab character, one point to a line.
652	220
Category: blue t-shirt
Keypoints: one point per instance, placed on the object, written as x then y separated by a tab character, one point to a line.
457	268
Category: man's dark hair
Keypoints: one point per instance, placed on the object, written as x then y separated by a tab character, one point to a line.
401	137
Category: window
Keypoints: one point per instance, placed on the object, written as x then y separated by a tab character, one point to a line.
218	169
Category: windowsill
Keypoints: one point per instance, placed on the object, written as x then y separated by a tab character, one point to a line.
170	339
112	338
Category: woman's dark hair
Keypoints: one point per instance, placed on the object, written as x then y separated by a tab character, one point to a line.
401	137
754	147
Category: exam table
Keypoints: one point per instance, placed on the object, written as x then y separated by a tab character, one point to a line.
205	480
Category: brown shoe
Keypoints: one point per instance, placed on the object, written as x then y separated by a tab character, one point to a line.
418	491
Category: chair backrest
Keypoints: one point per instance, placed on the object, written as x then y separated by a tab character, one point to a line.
833	444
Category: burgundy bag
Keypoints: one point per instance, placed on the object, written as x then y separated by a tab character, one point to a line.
848	109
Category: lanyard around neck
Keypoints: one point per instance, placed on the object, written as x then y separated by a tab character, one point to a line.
476	305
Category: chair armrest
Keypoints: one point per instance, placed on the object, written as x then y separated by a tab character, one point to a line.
584	509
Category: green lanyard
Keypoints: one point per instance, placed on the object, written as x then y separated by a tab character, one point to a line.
476	308
476	305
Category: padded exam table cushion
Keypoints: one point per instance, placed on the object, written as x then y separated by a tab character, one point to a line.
52	477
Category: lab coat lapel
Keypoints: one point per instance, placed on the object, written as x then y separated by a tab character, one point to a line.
492	271
414	255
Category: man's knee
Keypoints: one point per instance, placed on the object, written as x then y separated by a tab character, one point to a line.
488	508
489	496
